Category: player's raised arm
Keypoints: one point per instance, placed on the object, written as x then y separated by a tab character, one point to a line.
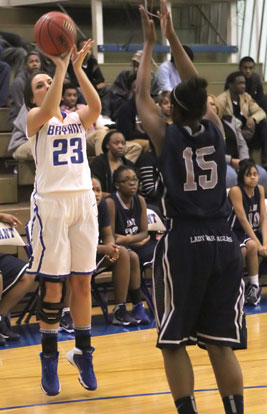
183	63
46	95
148	112
91	111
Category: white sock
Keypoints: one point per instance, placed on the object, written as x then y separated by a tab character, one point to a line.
254	280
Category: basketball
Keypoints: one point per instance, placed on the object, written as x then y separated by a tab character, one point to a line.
55	33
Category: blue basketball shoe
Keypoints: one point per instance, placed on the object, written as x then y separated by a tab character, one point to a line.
139	313
50	383
83	360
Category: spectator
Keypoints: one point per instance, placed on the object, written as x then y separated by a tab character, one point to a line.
104	165
123	263
15	49
15	283
235	101
32	63
167	74
69	101
128	123
128	215
19	145
236	148
164	103
248	221
254	85
119	92
4	81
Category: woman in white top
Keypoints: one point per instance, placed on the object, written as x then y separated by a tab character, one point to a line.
64	229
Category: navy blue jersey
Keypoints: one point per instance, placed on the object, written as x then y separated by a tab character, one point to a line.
192	173
252	209
127	221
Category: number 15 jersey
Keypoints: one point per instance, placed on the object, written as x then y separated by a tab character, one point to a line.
192	171
59	152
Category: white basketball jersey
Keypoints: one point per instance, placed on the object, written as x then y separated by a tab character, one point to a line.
59	152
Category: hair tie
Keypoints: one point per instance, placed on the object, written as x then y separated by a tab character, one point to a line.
179	102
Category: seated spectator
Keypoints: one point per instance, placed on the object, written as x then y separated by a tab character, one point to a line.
248	221
124	264
104	165
129	216
119	92
253	81
69	101
15	49
4	81
236	102
19	145
236	148
164	102
167	74
15	283
32	63
127	122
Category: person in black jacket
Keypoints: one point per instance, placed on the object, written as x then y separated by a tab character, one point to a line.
104	165
254	84
128	122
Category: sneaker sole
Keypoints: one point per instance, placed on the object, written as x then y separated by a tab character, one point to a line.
69	357
247	303
8	338
121	323
42	388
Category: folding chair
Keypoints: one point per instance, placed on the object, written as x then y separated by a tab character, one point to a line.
31	298
156	228
9	236
101	285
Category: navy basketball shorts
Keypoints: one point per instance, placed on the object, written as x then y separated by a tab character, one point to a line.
243	238
197	285
12	270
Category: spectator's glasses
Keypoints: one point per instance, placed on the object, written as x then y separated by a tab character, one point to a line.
129	180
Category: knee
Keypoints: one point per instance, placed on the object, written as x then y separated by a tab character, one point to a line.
134	259
124	256
80	284
218	352
28	279
252	248
52	292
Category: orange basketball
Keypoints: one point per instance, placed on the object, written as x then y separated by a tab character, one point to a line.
55	33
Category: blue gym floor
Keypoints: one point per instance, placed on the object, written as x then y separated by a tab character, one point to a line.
30	332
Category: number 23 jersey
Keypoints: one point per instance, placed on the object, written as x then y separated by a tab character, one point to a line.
59	152
192	171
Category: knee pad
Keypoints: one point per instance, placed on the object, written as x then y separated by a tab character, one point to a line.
50	312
